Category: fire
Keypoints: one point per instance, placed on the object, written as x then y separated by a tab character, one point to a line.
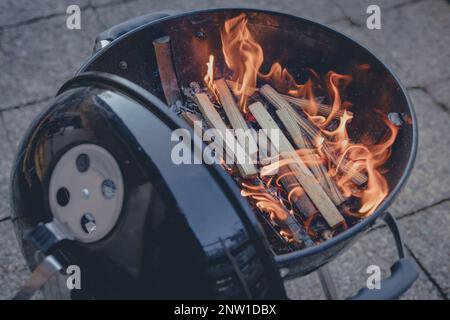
243	55
333	81
332	145
209	77
264	201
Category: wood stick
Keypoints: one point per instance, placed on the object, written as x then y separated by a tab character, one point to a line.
302	173
323	109
192	119
302	141
236	118
297	230
300	200
288	223
297	135
166	70
246	168
312	131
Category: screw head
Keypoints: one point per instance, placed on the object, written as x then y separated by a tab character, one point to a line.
201	34
85	193
108	189
123	65
88	223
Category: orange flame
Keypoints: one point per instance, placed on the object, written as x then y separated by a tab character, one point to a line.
333	81
209	77
243	55
264	201
368	158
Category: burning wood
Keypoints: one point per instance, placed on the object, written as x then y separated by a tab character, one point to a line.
313	132
323	109
317	167
295	194
236	119
246	168
166	71
286	115
301	171
297	197
291	228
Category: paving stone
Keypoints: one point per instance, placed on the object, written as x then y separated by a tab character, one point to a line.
376	248
305	288
18	120
5	167
430	178
441	92
349	270
19	11
40	56
319	10
4	198
356	9
428	235
423	56
13	270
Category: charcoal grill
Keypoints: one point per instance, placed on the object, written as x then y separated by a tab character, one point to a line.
181	231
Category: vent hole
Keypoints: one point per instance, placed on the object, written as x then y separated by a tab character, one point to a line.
62	196
83	162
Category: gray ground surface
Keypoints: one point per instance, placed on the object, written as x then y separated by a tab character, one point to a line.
37	53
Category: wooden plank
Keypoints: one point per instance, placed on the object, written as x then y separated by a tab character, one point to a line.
319	170
236	118
311	130
304	176
299	200
278	212
192	119
323	109
167	74
302	141
232	147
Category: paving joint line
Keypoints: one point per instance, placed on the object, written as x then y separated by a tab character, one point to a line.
25	104
425	89
59	14
411	213
7	218
427	273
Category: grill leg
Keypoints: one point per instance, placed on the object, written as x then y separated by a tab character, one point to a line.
327	282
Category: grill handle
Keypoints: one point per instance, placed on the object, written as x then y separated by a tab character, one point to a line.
403	272
107	36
